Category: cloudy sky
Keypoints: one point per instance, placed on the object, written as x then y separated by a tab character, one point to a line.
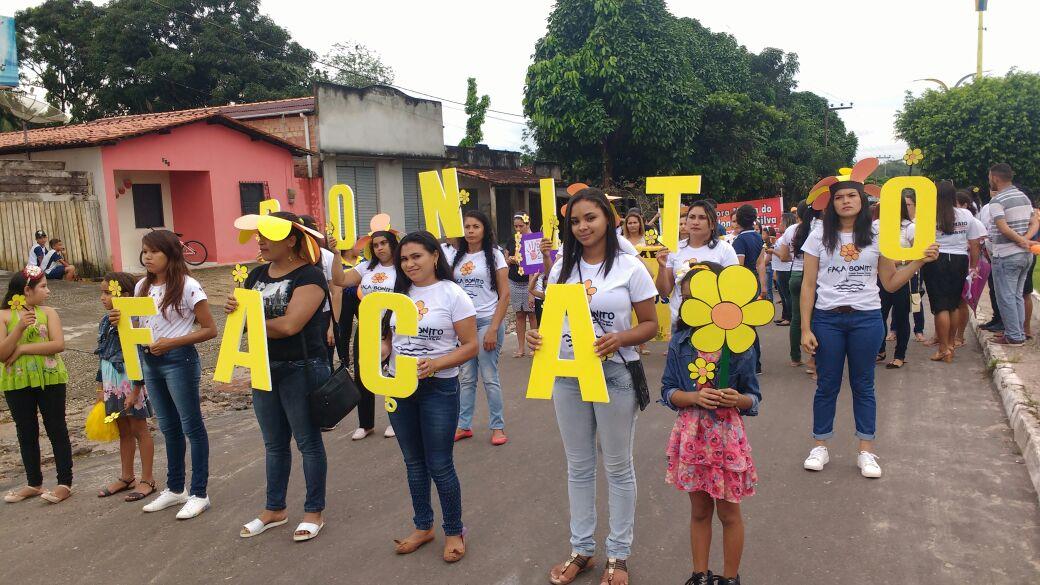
868	52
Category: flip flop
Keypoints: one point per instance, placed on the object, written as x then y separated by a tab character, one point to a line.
51	497
311	530
13	497
256	527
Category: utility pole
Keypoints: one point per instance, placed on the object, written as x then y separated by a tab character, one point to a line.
827	120
980	7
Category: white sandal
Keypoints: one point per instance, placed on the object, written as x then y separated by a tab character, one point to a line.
310	528
53	498
257	527
13	497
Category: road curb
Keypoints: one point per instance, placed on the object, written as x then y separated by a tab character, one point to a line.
1020	407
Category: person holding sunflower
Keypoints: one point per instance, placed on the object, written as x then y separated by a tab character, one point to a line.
842	269
709	456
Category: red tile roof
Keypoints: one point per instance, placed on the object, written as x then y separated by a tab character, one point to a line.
111	130
271	108
523	176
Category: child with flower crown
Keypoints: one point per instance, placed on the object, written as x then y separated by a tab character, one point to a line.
709	456
33	379
124	401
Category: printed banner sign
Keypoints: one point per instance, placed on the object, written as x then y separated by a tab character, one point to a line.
770	212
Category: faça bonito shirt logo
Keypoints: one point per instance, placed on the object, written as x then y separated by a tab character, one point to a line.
422	308
467	268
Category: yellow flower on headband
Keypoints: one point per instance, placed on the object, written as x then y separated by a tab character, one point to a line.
114	289
464	196
526	218
723	309
239	274
17	303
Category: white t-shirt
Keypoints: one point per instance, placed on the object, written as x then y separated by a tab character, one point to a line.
986	219
440	305
847	276
378	279
471	274
625	246
796	263
33	251
965	227
610	298
906	231
328	260
722	254
170	324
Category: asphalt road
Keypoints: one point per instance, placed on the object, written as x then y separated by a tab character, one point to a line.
954	506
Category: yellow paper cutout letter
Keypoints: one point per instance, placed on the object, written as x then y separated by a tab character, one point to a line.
248	318
672	188
342	216
269	206
571	302
548	205
441	203
129	336
924	231
370	315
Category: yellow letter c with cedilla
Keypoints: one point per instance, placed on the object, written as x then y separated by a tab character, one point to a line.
370	316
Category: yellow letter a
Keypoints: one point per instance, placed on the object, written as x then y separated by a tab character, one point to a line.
248	318
129	336
567	301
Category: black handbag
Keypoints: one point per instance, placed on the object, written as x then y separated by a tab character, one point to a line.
336	397
635	368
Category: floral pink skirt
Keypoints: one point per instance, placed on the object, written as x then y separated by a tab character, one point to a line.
712	455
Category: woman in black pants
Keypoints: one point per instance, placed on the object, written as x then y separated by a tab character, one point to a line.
898	303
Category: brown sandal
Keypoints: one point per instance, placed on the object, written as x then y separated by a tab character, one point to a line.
406	546
582	562
612	566
137	495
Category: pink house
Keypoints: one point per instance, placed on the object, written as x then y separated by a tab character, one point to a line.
191	171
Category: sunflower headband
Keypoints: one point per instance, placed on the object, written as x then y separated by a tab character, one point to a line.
277	229
846	178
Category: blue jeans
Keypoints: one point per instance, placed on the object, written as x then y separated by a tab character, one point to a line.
1009	276
172	380
769	281
284	413
853	337
487	362
615	423
425	427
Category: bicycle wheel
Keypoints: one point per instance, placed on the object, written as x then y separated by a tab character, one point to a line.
195	252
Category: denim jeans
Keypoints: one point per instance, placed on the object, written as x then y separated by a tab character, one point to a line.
1009	276
852	337
769	281
615	424
917	287
783	286
172	380
795	334
898	303
487	363
284	414
425	426
50	403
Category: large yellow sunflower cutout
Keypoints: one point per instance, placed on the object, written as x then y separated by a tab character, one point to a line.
723	310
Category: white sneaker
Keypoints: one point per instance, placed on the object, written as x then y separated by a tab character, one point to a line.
817	458
868	464
165	500
360	434
193	507
389	432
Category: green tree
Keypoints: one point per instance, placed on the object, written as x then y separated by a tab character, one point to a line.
135	56
476	109
356	65
965	130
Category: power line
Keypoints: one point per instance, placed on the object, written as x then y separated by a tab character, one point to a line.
343	69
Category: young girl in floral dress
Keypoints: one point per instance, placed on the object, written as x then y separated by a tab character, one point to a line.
121	396
709	456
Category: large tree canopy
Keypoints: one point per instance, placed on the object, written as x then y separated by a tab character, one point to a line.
133	56
621	89
966	130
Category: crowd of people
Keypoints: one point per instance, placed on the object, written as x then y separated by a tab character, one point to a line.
841	298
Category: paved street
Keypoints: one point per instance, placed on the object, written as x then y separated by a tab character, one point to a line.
954	506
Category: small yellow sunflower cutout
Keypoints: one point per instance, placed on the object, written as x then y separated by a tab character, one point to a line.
702	370
464	197
114	289
17	303
112	417
913	156
239	274
650	236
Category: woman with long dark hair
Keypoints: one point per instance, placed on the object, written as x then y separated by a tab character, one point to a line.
633	228
841	310
789	249
172	370
958	238
425	421
616	284
378	274
479	267
897	303
294	288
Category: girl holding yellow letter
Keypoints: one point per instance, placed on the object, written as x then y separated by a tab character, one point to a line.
425	421
616	284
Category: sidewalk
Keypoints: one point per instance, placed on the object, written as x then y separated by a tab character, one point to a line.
1016	377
